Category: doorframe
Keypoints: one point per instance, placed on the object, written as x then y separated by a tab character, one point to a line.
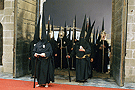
15	39
124	16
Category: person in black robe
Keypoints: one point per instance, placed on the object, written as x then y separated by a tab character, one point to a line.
92	56
54	48
74	58
32	44
69	46
96	53
42	52
82	52
53	43
58	58
100	54
64	60
44	70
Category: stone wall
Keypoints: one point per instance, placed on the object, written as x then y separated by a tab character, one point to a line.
18	19
7	21
130	49
25	21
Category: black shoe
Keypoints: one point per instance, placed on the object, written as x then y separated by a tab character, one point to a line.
32	77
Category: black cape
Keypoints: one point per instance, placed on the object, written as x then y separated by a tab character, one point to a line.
83	69
45	66
99	56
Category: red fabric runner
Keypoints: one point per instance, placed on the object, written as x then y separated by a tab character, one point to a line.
9	84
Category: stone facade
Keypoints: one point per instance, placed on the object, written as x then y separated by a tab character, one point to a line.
25	26
25	22
18	19
7	21
130	49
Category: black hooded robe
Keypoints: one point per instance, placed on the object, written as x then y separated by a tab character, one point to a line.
58	58
69	46
83	69
100	56
54	48
45	67
64	60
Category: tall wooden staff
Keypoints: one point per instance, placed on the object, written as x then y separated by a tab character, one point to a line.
73	39
61	35
103	36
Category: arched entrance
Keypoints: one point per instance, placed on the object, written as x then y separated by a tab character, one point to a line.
1	43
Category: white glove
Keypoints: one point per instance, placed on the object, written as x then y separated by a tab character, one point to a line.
42	55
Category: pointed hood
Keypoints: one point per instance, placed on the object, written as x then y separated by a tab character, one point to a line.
97	34
52	29
88	36
94	36
83	28
58	39
99	37
43	19
37	30
103	25
87	24
69	34
43	36
65	31
89	31
75	28
48	36
82	35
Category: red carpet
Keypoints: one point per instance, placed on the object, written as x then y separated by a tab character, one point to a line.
7	84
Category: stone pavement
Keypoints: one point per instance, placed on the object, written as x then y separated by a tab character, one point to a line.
61	77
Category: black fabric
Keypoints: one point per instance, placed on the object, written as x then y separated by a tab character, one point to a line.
58	58
65	30
83	69
75	29
103	25
36	35
43	20
83	28
99	56
89	30
64	60
45	67
93	52
48	32
54	48
69	46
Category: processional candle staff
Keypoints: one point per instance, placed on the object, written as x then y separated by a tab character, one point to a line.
103	34
61	35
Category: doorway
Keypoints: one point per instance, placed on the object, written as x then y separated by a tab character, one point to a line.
118	39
